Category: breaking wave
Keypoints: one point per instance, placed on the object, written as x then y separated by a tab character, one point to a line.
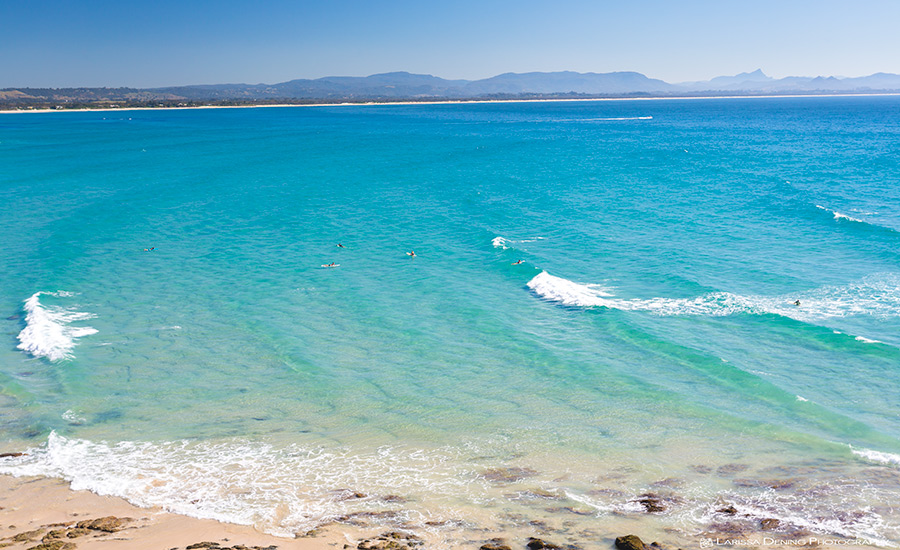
876	296
279	490
877	456
838	216
48	331
505	244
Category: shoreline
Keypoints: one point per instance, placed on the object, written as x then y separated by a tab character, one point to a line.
447	102
32	507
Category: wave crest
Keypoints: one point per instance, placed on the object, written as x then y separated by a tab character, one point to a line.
876	296
47	331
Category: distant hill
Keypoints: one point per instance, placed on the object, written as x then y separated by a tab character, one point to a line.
402	86
757	82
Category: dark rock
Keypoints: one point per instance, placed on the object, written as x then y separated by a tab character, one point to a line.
629	542
27	536
205	544
391	541
10	455
109	524
495	544
730	510
54	534
393	498
651	503
768	524
54	545
701	468
537	544
507	475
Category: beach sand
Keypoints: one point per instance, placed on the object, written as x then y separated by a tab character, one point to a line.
31	507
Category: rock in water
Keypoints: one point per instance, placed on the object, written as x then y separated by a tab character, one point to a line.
629	542
538	544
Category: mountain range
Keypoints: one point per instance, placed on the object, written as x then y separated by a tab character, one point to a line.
403	85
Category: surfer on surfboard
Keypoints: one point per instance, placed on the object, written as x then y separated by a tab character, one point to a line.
517	263
411	253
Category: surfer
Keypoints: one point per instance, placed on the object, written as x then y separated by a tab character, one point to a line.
516	263
332	264
411	253
151	249
797	303
341	246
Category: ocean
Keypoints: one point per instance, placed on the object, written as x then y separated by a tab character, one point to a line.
621	316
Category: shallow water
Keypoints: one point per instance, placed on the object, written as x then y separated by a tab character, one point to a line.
647	343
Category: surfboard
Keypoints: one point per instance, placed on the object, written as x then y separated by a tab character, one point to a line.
327	265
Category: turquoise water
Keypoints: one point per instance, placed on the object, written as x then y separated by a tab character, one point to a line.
648	341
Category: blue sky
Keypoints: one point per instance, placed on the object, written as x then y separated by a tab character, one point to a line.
165	42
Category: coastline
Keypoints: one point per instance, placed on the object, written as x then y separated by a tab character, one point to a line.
32	507
448	102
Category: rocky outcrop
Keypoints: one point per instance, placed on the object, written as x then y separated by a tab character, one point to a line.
393	540
495	544
538	544
108	524
629	542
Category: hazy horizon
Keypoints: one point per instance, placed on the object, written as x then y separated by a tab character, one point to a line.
62	44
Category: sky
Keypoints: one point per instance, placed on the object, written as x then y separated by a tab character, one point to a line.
70	43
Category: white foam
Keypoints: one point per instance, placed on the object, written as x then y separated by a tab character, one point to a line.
73	418
505	244
48	332
499	242
865	340
568	293
280	490
839	216
802	399
878	295
876	456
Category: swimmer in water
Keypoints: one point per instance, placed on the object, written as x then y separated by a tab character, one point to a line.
516	263
341	246
411	253
150	249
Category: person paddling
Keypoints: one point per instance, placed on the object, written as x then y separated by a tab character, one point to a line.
797	303
517	263
411	253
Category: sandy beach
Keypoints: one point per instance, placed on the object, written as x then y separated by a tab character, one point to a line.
447	102
45	513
